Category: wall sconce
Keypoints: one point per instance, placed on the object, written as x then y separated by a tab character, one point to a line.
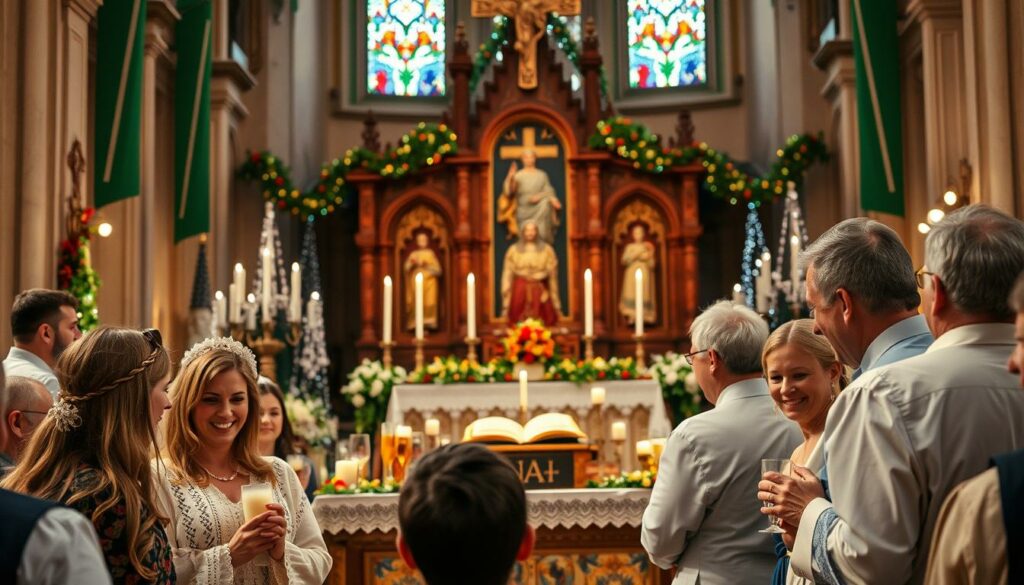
957	195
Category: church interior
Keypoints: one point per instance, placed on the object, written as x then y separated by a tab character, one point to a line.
411	209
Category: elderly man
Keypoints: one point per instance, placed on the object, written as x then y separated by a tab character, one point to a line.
901	437
703	517
43	323
23	404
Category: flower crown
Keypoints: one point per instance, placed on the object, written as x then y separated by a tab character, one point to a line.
221	343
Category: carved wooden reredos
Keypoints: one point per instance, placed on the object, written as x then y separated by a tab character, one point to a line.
454	203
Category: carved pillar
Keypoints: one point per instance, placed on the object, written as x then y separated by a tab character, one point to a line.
590	67
691	231
595	237
366	241
836	58
461	67
463	239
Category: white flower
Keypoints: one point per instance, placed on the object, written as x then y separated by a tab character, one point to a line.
401	373
385	375
671	378
691	383
357	385
358	401
376	388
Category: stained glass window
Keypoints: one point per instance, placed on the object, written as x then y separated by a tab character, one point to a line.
667	43
405	47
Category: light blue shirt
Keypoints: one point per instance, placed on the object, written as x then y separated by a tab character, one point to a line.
900	341
21	362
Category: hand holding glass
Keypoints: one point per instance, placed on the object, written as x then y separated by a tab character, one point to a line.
778	466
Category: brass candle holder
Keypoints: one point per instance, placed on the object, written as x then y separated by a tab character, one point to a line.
267	347
641	362
385	347
588	347
419	353
471	343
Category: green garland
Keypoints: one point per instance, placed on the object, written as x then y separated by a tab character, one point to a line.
485	55
424	146
558	27
75	273
634	142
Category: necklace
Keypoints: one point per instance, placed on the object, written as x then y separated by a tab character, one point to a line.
224	479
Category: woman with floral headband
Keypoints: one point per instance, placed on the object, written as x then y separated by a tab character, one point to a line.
93	450
210	453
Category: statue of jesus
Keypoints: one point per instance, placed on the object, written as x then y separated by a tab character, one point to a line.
527	196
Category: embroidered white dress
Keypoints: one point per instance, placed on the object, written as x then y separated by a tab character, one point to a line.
203	520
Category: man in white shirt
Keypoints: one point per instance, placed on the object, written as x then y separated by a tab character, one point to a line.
24	403
902	436
43	322
703	517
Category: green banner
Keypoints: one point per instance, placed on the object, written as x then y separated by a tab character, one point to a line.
876	58
117	150
194	44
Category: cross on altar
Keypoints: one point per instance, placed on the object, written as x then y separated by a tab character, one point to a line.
530	18
529	143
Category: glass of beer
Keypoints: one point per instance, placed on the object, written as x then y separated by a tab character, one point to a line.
645	454
387	451
403	450
255	498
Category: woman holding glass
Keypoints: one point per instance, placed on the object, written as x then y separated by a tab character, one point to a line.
225	527
276	436
804	377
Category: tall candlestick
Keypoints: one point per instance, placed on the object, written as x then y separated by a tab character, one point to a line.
737	294
220	310
250	312
588	303
238	297
419	305
794	260
763	284
267	296
638	303
524	398
313	308
387	309
234	306
295	302
471	306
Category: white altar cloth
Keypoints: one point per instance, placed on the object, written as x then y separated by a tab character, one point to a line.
547	508
637	402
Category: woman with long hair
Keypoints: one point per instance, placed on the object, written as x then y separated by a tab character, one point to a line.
804	377
210	453
93	450
276	435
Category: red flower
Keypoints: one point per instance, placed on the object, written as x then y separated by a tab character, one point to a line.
339	484
600	375
471	379
508	377
528	358
620	142
625	374
427	378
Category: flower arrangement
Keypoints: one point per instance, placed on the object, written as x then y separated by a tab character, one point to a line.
452	370
678	385
633	479
528	342
311	420
368	390
586	371
337	487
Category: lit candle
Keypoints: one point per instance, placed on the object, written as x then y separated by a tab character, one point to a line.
597	395
419	305
794	259
387	309
432	427
266	297
250	312
588	303
524	400
471	306
313	308
239	295
347	471
618	431
763	288
220	316
737	294
638	303
295	304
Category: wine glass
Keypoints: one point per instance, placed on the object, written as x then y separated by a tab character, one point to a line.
387	450
778	466
359	449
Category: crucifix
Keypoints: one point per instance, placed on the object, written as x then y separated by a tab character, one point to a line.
531	23
529	143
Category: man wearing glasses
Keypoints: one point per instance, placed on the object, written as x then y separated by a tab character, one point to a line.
23	404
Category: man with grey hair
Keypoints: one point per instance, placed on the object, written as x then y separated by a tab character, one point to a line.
861	291
24	403
702	517
902	436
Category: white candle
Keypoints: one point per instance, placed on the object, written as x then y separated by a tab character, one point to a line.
295	302
250	313
387	309
220	315
737	294
524	399
588	303
267	285
618	431
638	304
234	307
794	259
419	305
597	395
347	471
313	308
763	285
471	306
238	296
432	427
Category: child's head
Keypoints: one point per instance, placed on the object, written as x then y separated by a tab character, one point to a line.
463	502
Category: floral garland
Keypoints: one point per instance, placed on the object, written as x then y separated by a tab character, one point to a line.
452	370
76	275
424	146
485	55
634	142
334	486
678	385
634	479
311	420
369	389
597	369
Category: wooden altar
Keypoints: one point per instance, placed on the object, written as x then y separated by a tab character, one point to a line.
583	536
455	205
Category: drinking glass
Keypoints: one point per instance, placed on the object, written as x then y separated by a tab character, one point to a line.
387	451
255	497
359	449
778	466
403	450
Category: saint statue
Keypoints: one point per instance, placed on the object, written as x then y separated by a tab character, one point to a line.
529	281
527	196
638	255
422	259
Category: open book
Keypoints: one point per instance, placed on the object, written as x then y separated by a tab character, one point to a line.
550	426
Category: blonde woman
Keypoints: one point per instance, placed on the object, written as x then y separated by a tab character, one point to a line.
211	452
804	377
92	452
